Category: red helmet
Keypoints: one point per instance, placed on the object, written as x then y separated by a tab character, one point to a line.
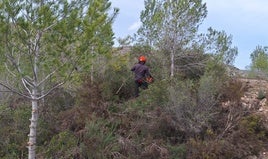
142	59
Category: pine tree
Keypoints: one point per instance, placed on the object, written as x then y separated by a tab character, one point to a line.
44	41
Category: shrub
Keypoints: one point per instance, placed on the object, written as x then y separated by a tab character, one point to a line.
247	138
210	149
233	90
261	94
63	145
98	139
14	130
156	95
118	84
193	105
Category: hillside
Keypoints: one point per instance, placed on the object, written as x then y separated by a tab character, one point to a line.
152	126
255	99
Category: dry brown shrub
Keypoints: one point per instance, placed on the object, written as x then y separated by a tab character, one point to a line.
73	119
198	149
233	90
88	102
128	148
90	99
155	151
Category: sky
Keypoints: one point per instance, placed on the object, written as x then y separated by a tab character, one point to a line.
245	20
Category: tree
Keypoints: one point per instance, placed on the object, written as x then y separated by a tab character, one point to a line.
43	42
151	19
171	25
259	59
125	42
219	44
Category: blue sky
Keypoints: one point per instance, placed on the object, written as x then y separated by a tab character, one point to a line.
245	20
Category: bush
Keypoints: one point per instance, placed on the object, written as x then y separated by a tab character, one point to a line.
261	94
98	139
63	145
14	130
247	138
194	104
233	90
156	95
210	149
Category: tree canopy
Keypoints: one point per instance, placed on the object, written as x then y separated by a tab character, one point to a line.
43	42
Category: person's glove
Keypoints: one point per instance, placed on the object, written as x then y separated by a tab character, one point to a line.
149	79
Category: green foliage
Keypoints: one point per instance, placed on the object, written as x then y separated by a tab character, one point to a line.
251	134
255	74
63	145
156	95
171	27
219	44
259	59
191	105
99	139
59	100
44	42
192	65
52	39
252	125
118	79
14	124
177	151
261	94
172	119
162	18
151	19
181	117
216	69
209	149
245	140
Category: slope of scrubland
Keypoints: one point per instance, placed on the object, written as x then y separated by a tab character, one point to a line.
185	121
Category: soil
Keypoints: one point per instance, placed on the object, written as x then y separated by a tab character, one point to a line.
255	98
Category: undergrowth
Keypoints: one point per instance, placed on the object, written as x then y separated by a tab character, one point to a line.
182	121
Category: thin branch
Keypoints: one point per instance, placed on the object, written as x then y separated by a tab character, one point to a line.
47	77
57	85
47	28
13	62
44	95
14	90
8	70
25	85
29	83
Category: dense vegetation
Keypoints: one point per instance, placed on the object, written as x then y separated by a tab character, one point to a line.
84	86
178	118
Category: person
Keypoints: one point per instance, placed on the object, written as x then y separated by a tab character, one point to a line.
142	74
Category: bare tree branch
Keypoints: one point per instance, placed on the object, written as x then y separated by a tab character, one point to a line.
49	91
14	90
25	83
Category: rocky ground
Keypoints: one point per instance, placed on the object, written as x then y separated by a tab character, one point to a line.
255	98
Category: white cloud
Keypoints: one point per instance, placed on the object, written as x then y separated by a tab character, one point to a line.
134	26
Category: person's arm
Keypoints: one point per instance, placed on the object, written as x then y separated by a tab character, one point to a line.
147	73
149	77
133	68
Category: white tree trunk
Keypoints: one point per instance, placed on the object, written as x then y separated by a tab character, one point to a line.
33	126
34	119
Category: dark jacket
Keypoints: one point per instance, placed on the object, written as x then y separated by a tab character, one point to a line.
141	71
